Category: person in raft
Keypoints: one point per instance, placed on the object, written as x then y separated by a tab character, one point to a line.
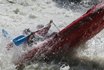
30	37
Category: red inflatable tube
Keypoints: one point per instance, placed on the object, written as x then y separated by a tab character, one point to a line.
79	31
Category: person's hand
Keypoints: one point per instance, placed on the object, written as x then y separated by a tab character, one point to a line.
51	21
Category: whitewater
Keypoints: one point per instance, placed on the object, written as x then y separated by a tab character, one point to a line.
22	14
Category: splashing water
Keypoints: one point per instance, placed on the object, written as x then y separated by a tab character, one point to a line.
16	15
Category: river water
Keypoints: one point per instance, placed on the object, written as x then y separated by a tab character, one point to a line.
16	15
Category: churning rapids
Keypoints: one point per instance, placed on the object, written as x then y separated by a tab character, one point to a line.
16	15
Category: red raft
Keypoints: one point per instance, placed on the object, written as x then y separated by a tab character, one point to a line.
79	31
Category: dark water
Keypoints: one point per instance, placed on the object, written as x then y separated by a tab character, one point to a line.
76	4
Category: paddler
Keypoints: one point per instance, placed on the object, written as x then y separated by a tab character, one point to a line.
29	37
40	34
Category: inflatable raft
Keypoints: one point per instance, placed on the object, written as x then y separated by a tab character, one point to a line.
79	31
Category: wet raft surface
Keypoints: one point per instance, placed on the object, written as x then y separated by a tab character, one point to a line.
23	14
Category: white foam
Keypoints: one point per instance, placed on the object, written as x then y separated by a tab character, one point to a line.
42	11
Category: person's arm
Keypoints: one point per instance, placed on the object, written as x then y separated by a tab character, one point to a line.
45	29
